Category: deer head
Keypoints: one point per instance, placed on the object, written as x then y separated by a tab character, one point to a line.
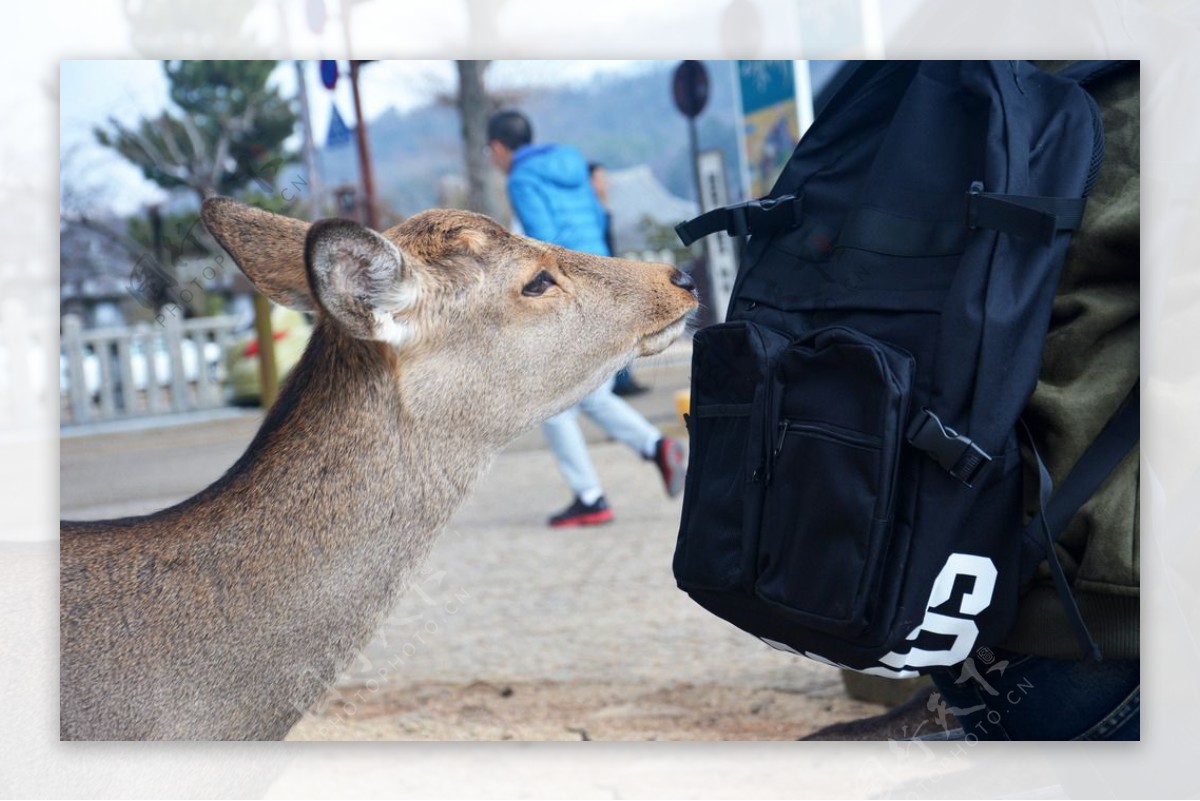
481	327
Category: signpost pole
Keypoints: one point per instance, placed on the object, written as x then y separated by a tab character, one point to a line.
364	151
694	146
689	86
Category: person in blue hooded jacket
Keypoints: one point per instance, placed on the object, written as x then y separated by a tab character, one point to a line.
550	191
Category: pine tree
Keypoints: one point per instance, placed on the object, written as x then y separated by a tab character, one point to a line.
224	135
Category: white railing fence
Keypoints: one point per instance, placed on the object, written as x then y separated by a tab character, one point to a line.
130	371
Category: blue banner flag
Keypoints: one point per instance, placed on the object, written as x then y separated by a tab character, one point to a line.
339	133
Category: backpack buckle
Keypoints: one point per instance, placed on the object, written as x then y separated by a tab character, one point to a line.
765	215
762	216
957	454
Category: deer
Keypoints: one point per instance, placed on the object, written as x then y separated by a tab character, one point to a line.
436	342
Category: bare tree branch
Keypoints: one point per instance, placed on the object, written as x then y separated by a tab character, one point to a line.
151	155
127	243
195	137
163	126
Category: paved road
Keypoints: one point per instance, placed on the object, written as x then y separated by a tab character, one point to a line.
503	598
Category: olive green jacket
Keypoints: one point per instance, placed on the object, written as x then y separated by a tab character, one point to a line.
1090	364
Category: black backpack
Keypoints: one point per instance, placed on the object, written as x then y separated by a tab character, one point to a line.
854	491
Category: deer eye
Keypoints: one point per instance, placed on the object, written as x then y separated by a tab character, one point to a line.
538	286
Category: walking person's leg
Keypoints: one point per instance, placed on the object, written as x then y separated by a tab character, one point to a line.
625	386
619	420
566	442
623	422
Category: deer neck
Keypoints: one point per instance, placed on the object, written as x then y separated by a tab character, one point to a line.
343	491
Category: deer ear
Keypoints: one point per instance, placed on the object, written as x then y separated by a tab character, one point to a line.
269	248
360	278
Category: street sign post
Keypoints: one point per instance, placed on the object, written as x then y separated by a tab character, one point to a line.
689	87
719	248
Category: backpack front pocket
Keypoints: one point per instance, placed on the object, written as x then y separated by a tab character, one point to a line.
828	509
731	367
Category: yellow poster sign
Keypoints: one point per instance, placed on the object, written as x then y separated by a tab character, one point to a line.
772	127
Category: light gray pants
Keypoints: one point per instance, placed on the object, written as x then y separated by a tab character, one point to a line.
616	417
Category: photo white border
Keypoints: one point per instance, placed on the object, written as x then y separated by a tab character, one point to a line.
1162	33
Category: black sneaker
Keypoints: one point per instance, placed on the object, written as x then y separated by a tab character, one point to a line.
583	514
672	463
630	389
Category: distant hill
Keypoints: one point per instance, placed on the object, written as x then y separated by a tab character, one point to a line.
622	121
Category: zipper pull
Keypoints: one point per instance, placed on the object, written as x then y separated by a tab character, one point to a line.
774	454
783	427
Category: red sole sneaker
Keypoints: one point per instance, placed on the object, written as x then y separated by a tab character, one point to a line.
589	519
672	464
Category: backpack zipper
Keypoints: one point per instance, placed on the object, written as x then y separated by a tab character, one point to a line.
828	431
825	431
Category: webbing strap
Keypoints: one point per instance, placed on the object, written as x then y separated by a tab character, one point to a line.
1037	218
892	235
1112	445
1084	637
1119	436
763	216
866	228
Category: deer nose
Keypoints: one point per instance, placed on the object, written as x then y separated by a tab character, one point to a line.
683	281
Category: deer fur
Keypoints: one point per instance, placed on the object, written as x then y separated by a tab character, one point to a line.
227	615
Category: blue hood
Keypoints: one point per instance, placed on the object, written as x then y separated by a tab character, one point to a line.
559	165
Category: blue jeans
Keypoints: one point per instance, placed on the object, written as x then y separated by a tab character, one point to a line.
1023	697
616	417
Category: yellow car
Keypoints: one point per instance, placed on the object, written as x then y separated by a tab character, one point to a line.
291	330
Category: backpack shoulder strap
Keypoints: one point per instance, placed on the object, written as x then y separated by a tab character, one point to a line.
1117	438
1056	508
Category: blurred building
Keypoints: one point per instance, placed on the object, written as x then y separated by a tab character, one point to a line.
94	277
635	196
